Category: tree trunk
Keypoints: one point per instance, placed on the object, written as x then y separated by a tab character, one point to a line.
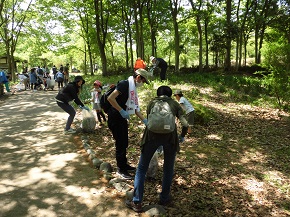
91	60
228	38
174	13
206	43
199	29
101	30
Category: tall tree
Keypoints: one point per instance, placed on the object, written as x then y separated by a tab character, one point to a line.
126	17
102	15
265	11
139	6
228	34
83	11
174	9
196	8
12	17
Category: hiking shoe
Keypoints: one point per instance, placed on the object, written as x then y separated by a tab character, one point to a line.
130	168
70	131
124	175
137	207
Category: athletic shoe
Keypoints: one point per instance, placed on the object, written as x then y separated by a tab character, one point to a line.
70	131
168	202
130	168
124	175
137	207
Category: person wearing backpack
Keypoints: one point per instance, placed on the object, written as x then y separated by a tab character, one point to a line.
149	144
124	101
59	79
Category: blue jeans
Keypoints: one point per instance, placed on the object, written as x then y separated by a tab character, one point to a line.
70	110
168	167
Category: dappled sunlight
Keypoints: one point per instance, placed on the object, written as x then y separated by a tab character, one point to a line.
214	137
249	157
206	90
58	162
32	210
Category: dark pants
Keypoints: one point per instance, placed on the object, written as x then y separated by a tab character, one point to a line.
70	110
119	128
163	73
101	114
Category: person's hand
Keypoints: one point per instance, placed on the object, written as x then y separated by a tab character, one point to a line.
145	121
85	107
124	114
181	139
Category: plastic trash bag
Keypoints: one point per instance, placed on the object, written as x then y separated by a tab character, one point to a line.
153	166
20	86
89	121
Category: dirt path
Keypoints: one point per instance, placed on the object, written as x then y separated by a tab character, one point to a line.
43	171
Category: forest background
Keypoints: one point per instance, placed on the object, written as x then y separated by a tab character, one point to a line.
192	36
231	59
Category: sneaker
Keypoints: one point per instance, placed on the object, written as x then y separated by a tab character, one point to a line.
167	202
137	207
124	175
130	168
70	131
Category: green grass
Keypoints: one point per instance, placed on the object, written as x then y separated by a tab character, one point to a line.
234	88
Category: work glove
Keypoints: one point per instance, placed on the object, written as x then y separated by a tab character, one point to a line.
124	114
145	121
85	107
181	139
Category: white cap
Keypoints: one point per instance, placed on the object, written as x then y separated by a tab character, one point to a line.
152	58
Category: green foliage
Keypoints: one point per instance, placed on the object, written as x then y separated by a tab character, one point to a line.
277	58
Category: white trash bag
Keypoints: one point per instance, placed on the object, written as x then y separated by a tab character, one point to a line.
89	121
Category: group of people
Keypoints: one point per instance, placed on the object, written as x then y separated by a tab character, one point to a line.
61	76
156	62
124	103
37	76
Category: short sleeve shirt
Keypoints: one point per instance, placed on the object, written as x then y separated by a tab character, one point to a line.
123	88
186	105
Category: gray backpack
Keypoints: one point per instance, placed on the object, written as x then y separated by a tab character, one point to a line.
161	119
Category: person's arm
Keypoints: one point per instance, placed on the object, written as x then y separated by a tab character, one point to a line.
139	115
183	121
112	99
74	93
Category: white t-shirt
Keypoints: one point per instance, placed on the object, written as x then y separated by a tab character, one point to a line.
186	105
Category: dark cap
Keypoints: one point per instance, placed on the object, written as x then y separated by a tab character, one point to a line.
79	78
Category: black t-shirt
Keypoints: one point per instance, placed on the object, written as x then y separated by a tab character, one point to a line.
123	88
